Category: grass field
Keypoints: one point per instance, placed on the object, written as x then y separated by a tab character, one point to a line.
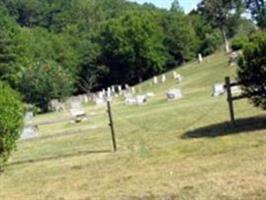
184	149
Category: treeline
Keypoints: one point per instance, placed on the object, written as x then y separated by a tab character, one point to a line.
52	48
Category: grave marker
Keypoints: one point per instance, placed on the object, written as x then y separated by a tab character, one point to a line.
174	94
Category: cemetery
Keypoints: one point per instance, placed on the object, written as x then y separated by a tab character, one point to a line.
132	100
147	124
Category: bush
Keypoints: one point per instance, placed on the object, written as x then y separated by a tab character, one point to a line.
239	43
45	81
11	112
211	43
252	70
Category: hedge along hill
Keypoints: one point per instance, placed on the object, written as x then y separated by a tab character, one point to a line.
11	119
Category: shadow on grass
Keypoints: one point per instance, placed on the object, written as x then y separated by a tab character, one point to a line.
242	126
56	157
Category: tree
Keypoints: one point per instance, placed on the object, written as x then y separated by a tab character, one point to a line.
11	121
45	81
258	11
221	13
252	70
132	48
8	67
176	6
180	38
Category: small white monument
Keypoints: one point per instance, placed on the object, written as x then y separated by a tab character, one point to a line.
174	94
150	94
127	87
86	99
133	90
178	78
28	116
109	92
119	89
174	75
113	89
218	89
233	59
77	112
29	132
141	99
138	100
163	78
155	80
236	90
200	58
100	101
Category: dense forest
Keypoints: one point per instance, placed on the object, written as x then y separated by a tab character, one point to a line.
54	48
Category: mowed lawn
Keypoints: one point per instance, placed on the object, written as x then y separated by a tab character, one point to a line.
184	149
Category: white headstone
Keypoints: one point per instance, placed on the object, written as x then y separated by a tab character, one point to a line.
178	78
109	92
141	99
218	89
86	99
200	58
127	87
175	75
29	132
77	111
155	80
133	90
130	101
100	101
163	78
119	87
233	59
113	89
150	94
103	92
174	94
236	90
28	116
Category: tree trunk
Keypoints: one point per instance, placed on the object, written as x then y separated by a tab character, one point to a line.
226	42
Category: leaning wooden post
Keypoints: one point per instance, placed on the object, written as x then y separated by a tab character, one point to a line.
230	100
111	124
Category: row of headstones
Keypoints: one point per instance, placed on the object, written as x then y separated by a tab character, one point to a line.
173	94
163	78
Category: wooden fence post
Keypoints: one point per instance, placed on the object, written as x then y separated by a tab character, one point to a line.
111	124
230	100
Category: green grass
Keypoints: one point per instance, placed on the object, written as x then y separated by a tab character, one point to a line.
166	150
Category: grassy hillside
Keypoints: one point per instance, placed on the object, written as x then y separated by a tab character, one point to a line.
166	150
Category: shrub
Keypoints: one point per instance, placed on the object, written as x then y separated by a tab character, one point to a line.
11	119
252	70
239	43
45	81
211	43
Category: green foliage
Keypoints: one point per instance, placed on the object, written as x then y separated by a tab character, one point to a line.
175	7
252	71
45	81
11	112
222	14
258	10
261	18
211	43
210	38
108	42
132	47
239	42
8	67
180	38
